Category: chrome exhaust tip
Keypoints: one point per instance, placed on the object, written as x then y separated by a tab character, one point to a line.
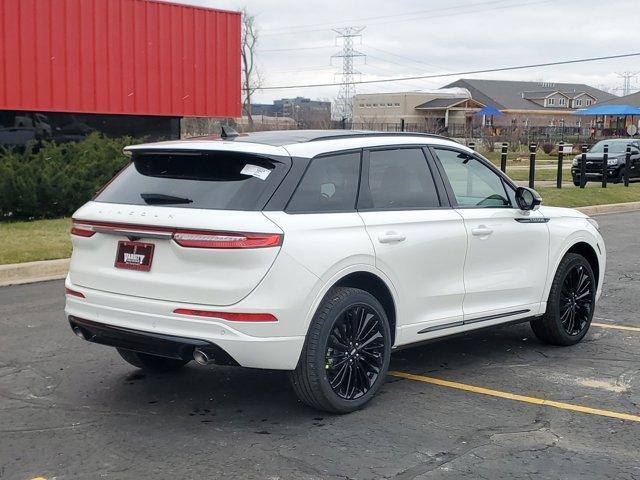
201	357
78	331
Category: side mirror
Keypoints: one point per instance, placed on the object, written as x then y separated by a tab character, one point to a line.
527	198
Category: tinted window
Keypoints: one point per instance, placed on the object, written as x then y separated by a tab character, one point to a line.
211	180
330	184
615	146
473	183
400	179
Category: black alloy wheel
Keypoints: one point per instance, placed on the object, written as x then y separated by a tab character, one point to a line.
570	305
346	354
576	300
355	352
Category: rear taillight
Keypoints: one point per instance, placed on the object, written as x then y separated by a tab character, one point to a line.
81	229
184	238
232	317
195	239
73	293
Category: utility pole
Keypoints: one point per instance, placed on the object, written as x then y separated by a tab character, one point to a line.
344	102
626	81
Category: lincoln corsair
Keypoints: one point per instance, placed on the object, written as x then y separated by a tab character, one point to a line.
320	252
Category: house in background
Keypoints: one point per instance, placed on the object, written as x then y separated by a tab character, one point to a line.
632	99
533	104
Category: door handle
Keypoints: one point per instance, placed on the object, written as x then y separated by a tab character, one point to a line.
481	231
391	237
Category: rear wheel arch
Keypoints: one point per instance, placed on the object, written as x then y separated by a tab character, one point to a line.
376	286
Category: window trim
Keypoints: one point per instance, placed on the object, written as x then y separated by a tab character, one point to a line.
365	189
319	156
506	181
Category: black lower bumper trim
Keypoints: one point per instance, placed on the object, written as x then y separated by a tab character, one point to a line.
149	342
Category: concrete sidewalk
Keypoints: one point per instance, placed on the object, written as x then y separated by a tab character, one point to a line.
28	272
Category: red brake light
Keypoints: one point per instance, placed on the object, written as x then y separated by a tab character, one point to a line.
232	317
196	239
73	293
81	229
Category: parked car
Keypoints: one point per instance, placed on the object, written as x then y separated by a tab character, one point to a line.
319	252
615	164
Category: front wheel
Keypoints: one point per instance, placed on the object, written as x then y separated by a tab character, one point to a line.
149	362
346	355
570	305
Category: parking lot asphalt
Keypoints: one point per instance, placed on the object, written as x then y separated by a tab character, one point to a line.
74	410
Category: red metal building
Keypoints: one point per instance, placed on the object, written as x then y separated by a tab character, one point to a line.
124	57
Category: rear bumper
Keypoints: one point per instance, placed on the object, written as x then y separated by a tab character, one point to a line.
146	342
146	326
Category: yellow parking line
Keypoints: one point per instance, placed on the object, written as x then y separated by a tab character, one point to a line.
616	327
513	396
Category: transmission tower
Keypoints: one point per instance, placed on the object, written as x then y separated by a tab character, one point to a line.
626	81
344	102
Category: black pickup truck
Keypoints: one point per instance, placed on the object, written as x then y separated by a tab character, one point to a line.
615	164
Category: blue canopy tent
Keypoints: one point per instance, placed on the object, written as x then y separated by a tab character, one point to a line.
611	110
619	110
488	111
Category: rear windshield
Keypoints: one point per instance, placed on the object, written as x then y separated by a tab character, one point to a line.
210	180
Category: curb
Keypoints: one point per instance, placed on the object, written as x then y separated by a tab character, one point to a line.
610	208
30	272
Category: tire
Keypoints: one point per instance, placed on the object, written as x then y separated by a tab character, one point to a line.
556	326
149	362
576	184
327	364
620	177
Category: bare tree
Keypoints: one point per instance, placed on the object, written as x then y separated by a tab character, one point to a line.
251	80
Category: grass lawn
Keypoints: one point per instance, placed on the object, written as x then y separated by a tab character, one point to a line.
522	158
31	241
522	174
592	195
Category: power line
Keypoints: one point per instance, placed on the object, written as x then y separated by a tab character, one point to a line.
405	58
305	28
465	10
457	74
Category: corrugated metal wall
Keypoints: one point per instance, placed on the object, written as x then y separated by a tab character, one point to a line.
139	57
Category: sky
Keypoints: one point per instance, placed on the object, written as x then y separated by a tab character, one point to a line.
428	37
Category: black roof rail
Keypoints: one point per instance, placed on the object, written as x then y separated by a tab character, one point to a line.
378	134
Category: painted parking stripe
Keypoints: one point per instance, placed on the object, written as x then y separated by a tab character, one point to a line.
616	327
516	397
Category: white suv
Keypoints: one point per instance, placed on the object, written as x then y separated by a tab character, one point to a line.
319	252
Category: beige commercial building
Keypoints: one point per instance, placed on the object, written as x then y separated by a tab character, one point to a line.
434	111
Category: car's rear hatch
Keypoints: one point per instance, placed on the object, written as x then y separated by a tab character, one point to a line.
182	226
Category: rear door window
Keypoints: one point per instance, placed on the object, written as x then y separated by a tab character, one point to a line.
330	184
209	180
399	179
